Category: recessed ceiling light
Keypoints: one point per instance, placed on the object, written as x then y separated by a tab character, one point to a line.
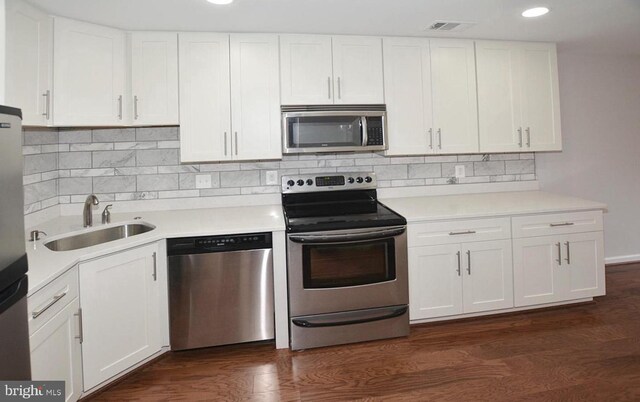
220	2
535	12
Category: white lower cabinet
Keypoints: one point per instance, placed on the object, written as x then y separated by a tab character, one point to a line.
121	325
452	279
550	269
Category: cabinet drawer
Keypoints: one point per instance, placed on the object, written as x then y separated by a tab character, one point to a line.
551	224
433	233
48	301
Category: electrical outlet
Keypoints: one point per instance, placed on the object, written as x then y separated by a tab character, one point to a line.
203	181
459	171
272	177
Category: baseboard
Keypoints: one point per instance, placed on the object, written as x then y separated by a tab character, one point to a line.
622	259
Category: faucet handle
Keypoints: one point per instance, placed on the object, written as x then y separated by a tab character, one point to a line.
106	214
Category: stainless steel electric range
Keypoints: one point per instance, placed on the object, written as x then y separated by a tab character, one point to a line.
346	261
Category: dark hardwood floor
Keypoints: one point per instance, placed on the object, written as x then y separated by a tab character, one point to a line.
588	352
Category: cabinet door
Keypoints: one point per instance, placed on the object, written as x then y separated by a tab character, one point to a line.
455	107
583	265
56	352
120	313
407	86
357	70
29	46
255	97
154	78
205	105
499	99
88	74
488	276
435	281
536	262
305	69
540	97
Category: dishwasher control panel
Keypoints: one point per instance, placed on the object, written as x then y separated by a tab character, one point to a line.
208	244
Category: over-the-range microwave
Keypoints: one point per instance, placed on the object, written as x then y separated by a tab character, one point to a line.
334	128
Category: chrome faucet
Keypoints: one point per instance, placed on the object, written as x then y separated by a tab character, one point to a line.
87	216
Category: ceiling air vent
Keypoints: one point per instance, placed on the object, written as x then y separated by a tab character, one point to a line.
451	26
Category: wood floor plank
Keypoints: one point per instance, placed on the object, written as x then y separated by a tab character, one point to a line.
586	352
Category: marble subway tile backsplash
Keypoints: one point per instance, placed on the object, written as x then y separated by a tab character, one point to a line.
63	166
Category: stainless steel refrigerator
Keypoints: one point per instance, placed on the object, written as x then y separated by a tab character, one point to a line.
14	329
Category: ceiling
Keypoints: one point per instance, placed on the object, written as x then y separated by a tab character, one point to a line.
602	26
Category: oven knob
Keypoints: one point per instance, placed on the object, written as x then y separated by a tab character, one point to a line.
309	182
350	180
301	182
290	183
359	180
368	179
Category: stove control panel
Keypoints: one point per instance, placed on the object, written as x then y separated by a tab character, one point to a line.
330	182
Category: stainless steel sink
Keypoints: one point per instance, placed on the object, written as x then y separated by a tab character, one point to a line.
99	236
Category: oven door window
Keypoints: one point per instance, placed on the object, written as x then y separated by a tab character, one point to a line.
351	264
324	131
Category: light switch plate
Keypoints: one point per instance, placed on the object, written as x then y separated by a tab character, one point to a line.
272	177
203	181
460	171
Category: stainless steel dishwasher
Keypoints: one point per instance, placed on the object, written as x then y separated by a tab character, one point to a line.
220	290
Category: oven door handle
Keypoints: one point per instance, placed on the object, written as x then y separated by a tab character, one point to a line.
378	316
369	235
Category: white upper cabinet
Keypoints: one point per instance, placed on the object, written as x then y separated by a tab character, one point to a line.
255	97
317	69
453	93
518	98
357	70
229	97
407	87
154	78
88	74
205	109
430	91
28	63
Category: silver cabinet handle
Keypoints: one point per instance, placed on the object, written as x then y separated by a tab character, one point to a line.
53	301
430	138
520	137
80	335
559	253
462	233
459	263
155	267
47	104
469	262
440	138
120	107
339	89
236	134
528	130
568	259
553	225
329	87
225	143
135	107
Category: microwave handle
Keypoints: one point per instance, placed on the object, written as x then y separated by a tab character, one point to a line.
365	133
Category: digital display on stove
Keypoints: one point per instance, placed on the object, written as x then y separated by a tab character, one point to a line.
324	181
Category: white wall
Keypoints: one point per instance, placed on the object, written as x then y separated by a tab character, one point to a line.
600	106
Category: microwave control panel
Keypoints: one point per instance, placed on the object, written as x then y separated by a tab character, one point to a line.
375	132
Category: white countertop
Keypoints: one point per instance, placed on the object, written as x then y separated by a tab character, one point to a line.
458	206
45	265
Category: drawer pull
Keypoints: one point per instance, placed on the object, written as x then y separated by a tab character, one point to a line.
53	301
553	225
462	233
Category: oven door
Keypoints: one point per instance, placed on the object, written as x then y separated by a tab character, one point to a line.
344	270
